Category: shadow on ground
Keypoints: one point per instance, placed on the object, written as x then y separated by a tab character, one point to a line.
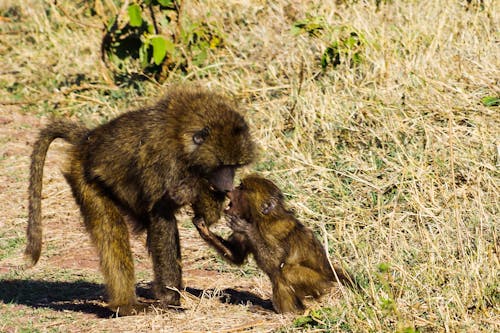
88	297
233	296
78	296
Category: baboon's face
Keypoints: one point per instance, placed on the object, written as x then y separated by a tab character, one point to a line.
219	148
254	198
239	204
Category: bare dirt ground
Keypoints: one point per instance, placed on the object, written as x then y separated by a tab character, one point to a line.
64	290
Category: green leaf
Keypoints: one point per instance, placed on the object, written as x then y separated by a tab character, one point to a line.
387	304
134	14
296	30
144	55
356	58
151	29
313	26
325	59
200	58
384	267
214	42
490	101
166	3
159	49
111	23
351	42
302	321
170	46
330	56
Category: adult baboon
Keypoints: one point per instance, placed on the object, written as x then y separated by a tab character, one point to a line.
146	164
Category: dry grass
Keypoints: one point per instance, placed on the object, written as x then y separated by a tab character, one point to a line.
395	162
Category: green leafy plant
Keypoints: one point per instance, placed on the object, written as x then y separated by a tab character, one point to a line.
200	38
346	49
384	267
321	319
150	39
313	26
343	44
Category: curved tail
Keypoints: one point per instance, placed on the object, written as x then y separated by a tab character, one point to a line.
71	132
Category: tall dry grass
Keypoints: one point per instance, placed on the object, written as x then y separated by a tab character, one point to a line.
394	162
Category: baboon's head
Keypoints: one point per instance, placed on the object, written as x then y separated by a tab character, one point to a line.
215	138
256	198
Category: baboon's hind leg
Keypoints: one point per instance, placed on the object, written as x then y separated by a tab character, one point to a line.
284	297
109	233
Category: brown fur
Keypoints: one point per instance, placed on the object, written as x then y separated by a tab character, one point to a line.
146	164
283	248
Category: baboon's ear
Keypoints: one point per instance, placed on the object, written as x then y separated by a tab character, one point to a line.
200	136
268	206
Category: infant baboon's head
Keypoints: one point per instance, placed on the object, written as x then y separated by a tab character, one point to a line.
255	198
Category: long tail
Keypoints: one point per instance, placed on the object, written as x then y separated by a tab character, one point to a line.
71	132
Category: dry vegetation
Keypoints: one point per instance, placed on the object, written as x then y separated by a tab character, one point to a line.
393	160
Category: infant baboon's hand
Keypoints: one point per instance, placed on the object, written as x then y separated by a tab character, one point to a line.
199	223
238	224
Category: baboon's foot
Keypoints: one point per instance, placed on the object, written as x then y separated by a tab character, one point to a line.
130	309
167	297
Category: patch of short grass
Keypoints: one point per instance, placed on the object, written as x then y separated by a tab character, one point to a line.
9	245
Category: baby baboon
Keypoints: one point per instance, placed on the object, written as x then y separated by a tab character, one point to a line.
283	248
145	164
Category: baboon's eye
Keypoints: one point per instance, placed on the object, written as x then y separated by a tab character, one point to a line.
240	128
200	136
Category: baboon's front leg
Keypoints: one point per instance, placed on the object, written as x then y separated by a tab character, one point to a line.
164	247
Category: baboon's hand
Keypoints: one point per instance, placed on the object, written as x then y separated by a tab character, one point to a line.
238	224
199	223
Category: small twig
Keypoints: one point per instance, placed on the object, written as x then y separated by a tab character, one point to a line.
237	328
17	32
153	18
23	102
90	99
65	92
123	9
178	25
112	5
9	72
69	90
453	185
251	91
332	267
299	88
69	17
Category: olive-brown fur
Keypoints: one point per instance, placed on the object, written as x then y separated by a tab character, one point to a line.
283	248
145	164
